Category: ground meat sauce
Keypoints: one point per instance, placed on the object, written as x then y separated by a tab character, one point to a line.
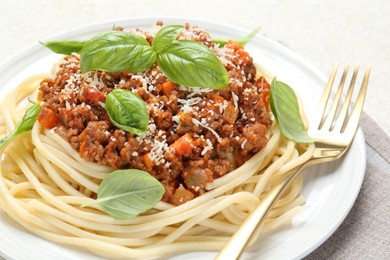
193	133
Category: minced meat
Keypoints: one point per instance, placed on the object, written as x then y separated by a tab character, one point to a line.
193	132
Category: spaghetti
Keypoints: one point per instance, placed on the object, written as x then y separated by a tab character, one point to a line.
44	181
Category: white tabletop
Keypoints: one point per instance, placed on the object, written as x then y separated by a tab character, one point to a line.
323	32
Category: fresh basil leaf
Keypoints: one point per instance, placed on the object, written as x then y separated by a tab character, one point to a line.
117	51
165	36
5	140
190	63
26	124
284	106
124	194
127	111
242	41
64	47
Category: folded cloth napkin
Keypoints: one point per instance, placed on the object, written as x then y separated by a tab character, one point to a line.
365	233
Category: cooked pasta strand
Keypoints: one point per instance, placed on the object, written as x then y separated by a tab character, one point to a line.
44	182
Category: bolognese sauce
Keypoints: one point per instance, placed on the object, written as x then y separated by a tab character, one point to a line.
195	134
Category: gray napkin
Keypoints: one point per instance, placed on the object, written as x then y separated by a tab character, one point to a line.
365	233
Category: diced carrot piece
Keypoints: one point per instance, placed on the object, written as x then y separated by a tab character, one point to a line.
242	54
40	94
230	113
183	145
234	45
218	98
181	196
168	87
239	49
149	163
83	148
181	115
48	118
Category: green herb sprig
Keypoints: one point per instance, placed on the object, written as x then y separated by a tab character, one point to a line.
242	40
124	194
25	125
184	62
284	106
127	111
67	47
116	51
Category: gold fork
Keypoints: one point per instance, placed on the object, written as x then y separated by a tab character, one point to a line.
333	132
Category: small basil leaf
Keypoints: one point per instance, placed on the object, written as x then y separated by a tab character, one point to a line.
26	124
284	106
117	51
165	36
192	64
242	41
127	111
124	194
64	47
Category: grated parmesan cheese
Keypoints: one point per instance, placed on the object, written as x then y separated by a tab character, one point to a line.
157	152
154	141
195	91
243	144
235	100
187	104
176	119
222	106
207	148
197	123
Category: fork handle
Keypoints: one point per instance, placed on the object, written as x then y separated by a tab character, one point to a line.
240	239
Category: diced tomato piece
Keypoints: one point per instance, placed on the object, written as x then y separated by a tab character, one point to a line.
168	87
94	95
48	118
264	87
184	145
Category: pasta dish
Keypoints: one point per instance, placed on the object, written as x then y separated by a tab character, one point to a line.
167	155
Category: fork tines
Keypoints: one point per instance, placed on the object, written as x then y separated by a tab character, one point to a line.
335	117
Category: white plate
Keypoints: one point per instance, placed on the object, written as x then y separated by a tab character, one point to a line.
330	189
